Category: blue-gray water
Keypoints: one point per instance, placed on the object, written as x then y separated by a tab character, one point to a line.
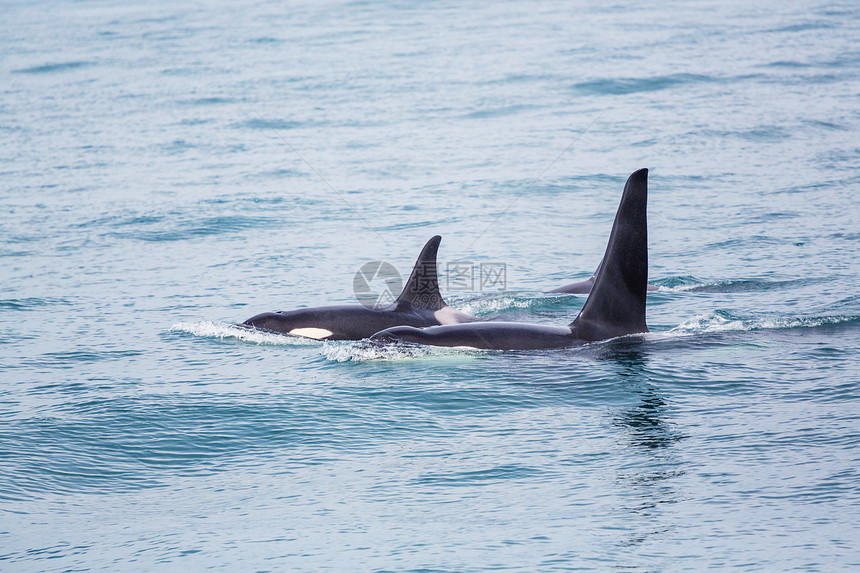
151	198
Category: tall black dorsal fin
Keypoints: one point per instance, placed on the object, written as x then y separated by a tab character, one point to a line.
422	288
616	305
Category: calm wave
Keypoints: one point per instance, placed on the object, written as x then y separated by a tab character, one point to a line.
169	171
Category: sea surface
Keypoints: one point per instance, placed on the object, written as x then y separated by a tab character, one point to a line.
169	169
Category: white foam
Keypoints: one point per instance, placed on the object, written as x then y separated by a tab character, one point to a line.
495	305
708	323
682	288
222	331
716	323
362	351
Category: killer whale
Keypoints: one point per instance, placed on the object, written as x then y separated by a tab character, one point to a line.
584	287
420	304
581	287
615	306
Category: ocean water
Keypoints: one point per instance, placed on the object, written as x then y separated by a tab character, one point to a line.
169	169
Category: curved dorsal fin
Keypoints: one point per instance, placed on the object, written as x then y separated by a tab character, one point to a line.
581	287
616	305
422	288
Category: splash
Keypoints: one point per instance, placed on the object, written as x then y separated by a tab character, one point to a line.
504	303
363	351
692	284
724	322
223	331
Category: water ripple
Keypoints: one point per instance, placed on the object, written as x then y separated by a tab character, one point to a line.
626	86
51	68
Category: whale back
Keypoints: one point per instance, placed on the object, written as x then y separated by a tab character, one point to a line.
616	305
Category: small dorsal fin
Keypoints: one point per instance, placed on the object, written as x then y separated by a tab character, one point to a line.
422	288
597	270
616	305
581	287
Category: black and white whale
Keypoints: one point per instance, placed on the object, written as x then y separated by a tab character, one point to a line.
420	304
615	307
581	287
